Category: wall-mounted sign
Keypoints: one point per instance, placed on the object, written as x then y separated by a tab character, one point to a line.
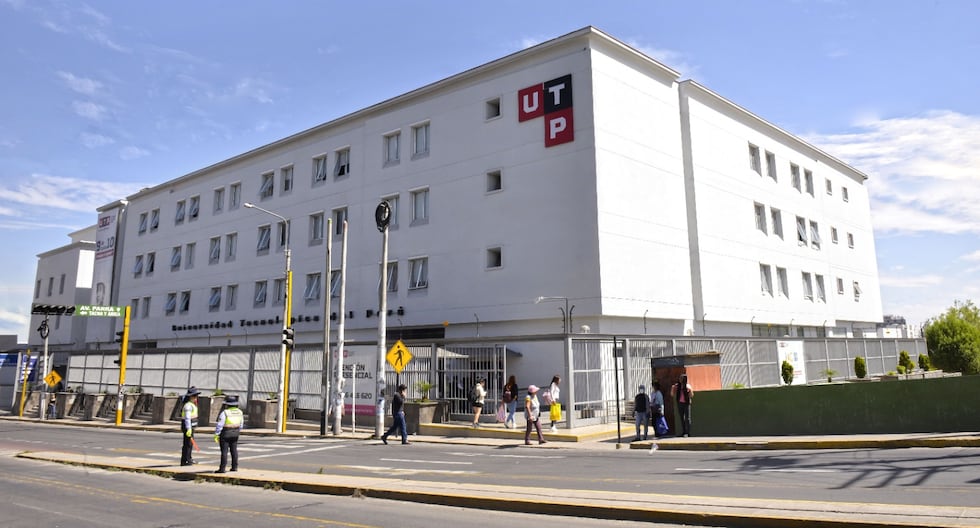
552	100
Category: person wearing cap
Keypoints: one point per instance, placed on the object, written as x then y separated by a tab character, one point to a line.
532	413
641	412
226	430
188	422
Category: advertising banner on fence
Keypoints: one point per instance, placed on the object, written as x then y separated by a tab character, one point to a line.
792	351
360	365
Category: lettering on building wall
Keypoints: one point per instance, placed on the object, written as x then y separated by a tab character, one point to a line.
553	101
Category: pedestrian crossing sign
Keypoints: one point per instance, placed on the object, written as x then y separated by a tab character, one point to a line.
52	379
398	356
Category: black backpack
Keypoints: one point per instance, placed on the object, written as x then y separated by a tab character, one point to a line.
640	403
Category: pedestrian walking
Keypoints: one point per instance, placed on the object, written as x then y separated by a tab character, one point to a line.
554	410
398	416
683	393
641	412
657	410
188	423
509	398
479	396
532	413
227	428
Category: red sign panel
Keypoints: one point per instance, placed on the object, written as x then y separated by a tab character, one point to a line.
552	100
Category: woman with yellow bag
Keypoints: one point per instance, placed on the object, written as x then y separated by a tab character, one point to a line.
555	409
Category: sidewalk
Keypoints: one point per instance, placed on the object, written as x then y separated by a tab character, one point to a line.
648	507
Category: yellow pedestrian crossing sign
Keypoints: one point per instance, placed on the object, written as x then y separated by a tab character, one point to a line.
398	356
52	379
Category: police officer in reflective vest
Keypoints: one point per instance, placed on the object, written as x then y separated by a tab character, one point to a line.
227	428
188	422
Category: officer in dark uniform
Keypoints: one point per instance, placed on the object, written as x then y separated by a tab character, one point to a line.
188	422
227	428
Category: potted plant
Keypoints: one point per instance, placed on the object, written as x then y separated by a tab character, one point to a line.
422	410
423	387
830	373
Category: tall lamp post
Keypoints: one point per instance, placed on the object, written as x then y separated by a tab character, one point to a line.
287	331
566	314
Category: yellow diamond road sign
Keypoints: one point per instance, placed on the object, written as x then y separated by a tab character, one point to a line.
52	378
399	356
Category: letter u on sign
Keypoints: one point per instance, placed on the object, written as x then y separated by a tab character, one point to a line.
530	103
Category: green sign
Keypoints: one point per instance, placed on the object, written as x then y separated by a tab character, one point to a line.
99	311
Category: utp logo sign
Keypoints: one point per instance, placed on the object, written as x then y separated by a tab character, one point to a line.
553	100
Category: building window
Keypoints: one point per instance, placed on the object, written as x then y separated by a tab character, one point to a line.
420	141
418	269
771	165
755	159
214	300
171	307
494	181
154	220
219	200
341	167
312	292
830	187
833	235
801	231
844	194
268	186
37	288
765	279
334	284
794	171
231	296
146	308
339	217
214	250
492	108
316	228
261	291
61	285
195	208
283	229
394	205
151	262
814	235
420	206
392	275
286	176
840	286
143	223
494	258
857	291
137	266
134	306
777	221
189	255
760	218
808	179
175	258
807	286
231	246
179	214
279	292
234	196
821	292
783	280
850	240
265	236
50	286
319	169
185	302
391	148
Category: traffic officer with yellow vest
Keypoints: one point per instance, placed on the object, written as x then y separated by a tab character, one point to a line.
227	428
188	422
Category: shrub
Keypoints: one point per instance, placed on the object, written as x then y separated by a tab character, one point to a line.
860	367
905	361
218	392
830	373
900	369
924	362
737	386
424	387
787	372
953	339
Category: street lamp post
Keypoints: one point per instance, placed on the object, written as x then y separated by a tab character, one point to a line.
283	391
566	314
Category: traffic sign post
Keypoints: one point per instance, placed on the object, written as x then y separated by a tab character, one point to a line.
399	356
87	310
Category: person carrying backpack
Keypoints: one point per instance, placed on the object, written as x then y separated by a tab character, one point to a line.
641	412
509	398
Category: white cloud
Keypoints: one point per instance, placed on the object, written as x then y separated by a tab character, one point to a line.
80	84
907	281
13	322
674	60
43	192
924	170
95	140
9	143
89	110
131	152
253	89
971	257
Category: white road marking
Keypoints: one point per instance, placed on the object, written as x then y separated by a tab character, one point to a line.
402	471
742	470
483	455
410	461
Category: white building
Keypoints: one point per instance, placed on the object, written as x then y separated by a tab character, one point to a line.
578	168
64	277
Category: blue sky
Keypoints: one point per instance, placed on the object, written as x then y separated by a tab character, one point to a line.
101	99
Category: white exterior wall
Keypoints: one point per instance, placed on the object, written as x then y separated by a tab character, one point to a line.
74	262
731	248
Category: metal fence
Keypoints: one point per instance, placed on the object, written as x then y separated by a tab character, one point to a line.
598	380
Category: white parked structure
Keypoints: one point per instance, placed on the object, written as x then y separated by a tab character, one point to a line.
579	169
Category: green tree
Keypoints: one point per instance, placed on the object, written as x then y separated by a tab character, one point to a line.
906	361
787	372
953	339
924	362
860	367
